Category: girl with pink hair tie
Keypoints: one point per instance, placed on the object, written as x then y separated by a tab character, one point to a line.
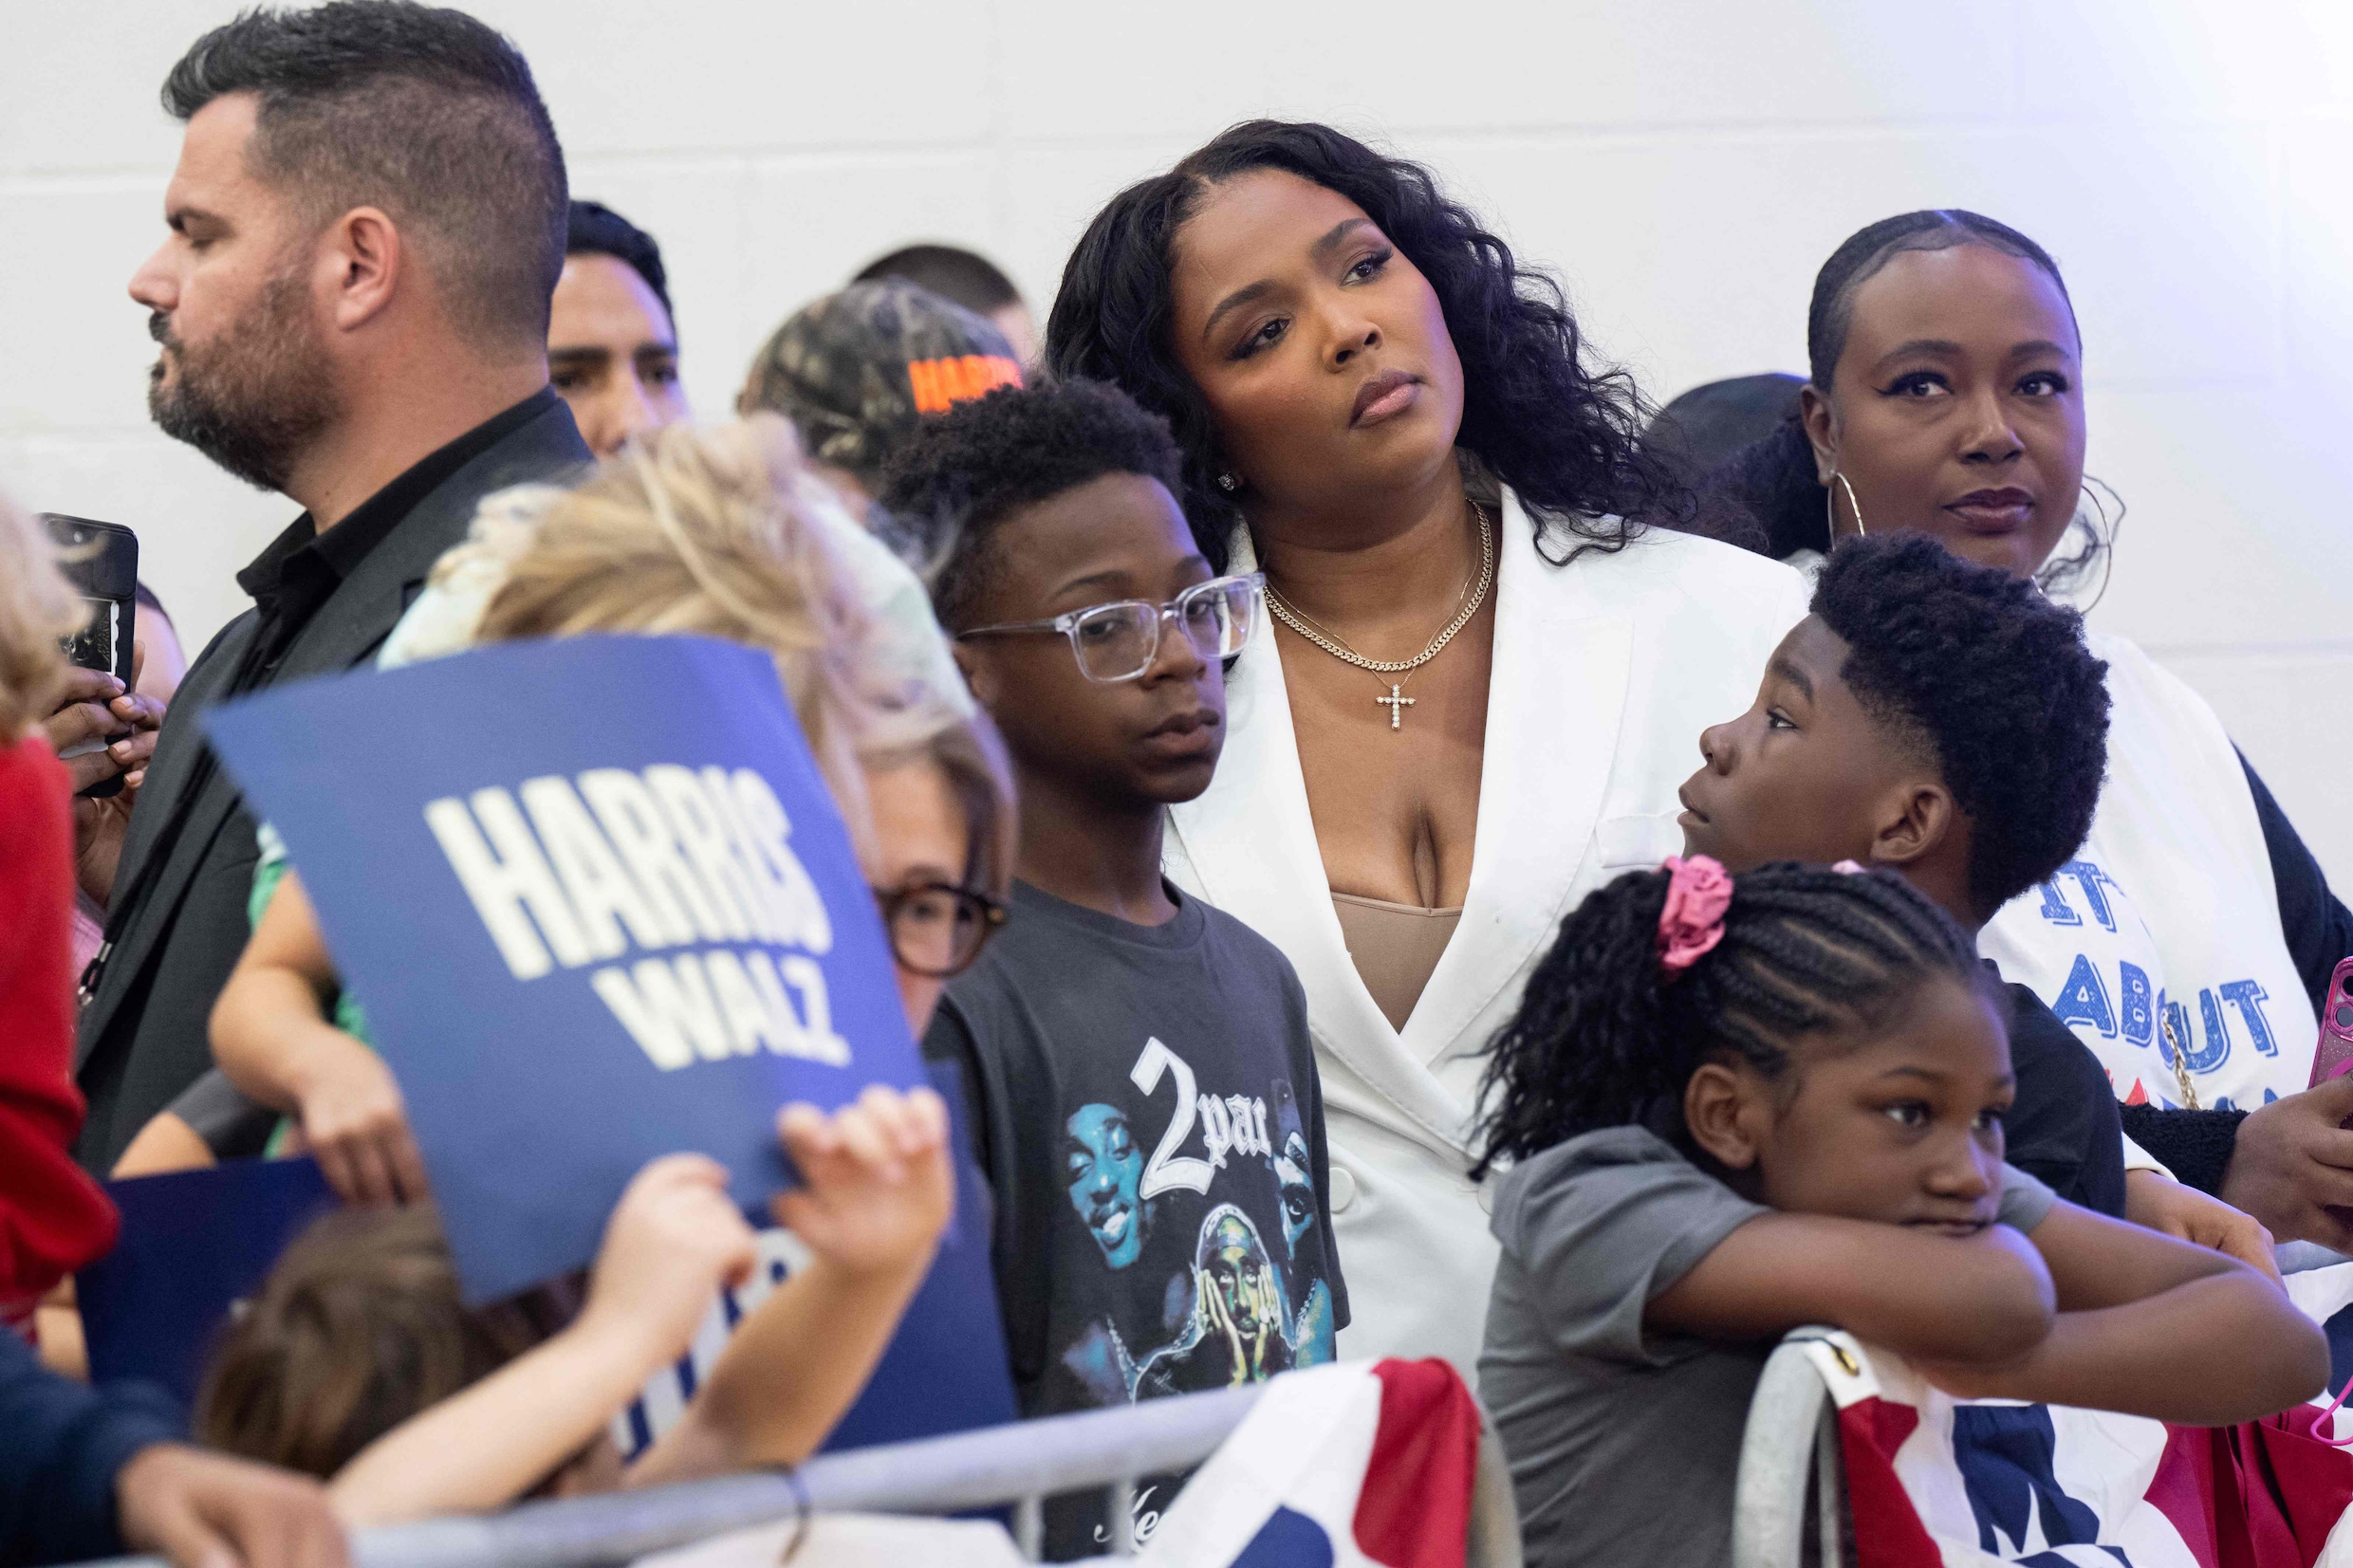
1728	1107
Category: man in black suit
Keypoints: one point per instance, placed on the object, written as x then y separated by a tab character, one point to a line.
367	221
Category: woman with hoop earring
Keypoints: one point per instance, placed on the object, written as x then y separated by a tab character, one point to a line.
2191	943
1483	678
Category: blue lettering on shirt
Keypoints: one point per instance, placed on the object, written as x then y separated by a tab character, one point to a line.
2217	1027
2084	1000
2249	998
2195	1057
2055	907
2133	1008
2089	877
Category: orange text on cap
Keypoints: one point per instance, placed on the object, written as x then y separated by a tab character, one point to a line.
939	383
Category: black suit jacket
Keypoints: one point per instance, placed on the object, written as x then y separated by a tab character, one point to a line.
143	1034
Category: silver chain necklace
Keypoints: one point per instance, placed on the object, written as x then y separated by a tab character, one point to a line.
1397	702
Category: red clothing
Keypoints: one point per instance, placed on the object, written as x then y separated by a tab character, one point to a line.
53	1217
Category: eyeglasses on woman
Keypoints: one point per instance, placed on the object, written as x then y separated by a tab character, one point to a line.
937	928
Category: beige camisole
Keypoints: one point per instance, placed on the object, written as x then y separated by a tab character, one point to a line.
1395	948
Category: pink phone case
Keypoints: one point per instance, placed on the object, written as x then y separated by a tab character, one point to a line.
2335	1053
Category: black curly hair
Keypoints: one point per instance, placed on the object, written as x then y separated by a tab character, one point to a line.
1565	437
967	469
1995	678
1603	1039
1772	480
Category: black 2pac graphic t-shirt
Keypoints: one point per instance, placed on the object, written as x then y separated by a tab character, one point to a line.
1145	1105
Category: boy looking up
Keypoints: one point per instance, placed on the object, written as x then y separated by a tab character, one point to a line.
1945	720
1145	1094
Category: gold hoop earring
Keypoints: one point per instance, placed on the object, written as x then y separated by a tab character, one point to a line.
1829	507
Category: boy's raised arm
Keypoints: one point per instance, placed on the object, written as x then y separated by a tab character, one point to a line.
674	1240
877	1191
271	1036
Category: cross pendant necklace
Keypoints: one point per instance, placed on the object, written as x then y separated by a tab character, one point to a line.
1397	702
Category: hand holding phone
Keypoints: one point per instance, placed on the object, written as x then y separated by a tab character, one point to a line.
2334	1054
101	560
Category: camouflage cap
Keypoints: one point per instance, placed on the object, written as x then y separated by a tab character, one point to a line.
856	371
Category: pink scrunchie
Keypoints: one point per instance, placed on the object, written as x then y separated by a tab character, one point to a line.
1699	891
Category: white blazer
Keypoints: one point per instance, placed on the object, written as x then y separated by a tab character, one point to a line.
1605	671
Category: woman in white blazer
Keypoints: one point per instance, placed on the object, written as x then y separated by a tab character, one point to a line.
2190	940
1485	683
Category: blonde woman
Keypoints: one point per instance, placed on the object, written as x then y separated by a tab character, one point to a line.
720	533
716	533
753	550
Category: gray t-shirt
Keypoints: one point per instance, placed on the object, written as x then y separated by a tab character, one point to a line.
1145	1103
1625	1443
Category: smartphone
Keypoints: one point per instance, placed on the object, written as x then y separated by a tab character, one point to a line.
101	560
2335	1053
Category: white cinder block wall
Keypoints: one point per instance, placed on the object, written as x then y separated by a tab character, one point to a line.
1684	164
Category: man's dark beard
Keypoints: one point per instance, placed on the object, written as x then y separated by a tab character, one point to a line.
254	397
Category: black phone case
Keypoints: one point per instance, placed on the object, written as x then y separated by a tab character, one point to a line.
101	560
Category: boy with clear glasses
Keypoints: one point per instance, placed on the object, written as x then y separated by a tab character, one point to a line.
1144	1093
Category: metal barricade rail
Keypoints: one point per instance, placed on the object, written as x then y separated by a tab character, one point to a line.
1790	1451
1790	1457
1020	1464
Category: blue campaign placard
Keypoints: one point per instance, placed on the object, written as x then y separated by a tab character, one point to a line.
598	906
193	1243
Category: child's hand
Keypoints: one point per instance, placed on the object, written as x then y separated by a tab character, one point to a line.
674	1238
206	1510
355	1123
2157	1203
877	1189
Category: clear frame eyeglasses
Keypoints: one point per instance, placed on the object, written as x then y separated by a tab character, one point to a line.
1119	641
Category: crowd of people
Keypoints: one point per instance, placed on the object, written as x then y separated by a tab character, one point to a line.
1264	707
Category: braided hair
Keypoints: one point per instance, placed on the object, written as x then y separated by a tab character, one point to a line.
1603	1038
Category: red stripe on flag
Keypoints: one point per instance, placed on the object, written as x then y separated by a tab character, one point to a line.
1414	1510
1888	1533
2184	1488
2311	1479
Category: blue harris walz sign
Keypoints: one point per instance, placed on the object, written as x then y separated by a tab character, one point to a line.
599	907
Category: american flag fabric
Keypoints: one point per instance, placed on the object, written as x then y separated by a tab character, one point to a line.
1351	1465
1933	1482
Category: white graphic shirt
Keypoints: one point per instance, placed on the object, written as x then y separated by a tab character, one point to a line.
2168	914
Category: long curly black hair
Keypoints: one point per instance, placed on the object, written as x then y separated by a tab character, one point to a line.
1995	678
1601	1038
1565	437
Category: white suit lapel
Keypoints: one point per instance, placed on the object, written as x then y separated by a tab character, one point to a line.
1251	843
1554	707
